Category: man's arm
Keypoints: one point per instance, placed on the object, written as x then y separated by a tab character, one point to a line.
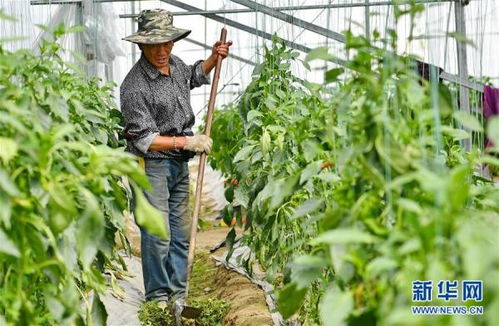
218	48
198	143
167	143
140	128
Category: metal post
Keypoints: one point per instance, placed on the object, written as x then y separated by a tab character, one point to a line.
80	41
368	20
462	82
208	47
328	26
280	8
462	61
79	13
133	46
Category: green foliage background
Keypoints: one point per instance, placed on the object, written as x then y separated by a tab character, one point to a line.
355	188
62	191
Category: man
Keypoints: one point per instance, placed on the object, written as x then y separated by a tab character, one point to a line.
155	102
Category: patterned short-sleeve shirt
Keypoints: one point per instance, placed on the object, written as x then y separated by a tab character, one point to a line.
155	104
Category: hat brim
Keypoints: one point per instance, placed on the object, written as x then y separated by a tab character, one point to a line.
158	36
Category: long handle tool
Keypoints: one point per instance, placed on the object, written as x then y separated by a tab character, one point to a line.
192	312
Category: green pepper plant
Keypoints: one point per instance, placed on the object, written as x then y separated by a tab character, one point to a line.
63	189
356	188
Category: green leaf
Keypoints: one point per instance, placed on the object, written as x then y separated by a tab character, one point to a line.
13	122
7	185
69	252
312	169
55	306
415	93
355	42
76	29
231	237
310	149
307	207
493	130
335	307
391	152
487	159
229	193
290	299
4	16
306	269
265	142
44	28
456	134
13	39
62	197
410	205
306	65
281	94
410	246
241	196
90	228
290	55
319	53
282	189
8	149
328	176
461	38
344	235
333	74
148	216
468	121
379	266
118	291
6	211
99	313
244	153
7	246
458	187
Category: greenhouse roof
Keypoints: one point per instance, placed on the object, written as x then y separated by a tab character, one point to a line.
304	25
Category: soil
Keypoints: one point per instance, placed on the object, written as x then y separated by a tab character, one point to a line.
208	281
248	307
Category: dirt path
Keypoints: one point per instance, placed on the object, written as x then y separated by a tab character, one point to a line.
248	307
206	239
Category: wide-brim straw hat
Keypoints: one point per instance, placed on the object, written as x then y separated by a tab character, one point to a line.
156	26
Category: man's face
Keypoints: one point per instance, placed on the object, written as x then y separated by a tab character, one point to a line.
157	54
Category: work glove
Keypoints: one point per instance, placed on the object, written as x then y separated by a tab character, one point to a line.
198	143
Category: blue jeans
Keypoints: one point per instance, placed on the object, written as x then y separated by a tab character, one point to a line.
164	262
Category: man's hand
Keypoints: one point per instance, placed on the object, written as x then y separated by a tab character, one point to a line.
198	143
220	48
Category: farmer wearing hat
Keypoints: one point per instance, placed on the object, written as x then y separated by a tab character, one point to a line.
155	102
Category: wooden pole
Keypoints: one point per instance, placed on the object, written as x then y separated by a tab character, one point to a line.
202	163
